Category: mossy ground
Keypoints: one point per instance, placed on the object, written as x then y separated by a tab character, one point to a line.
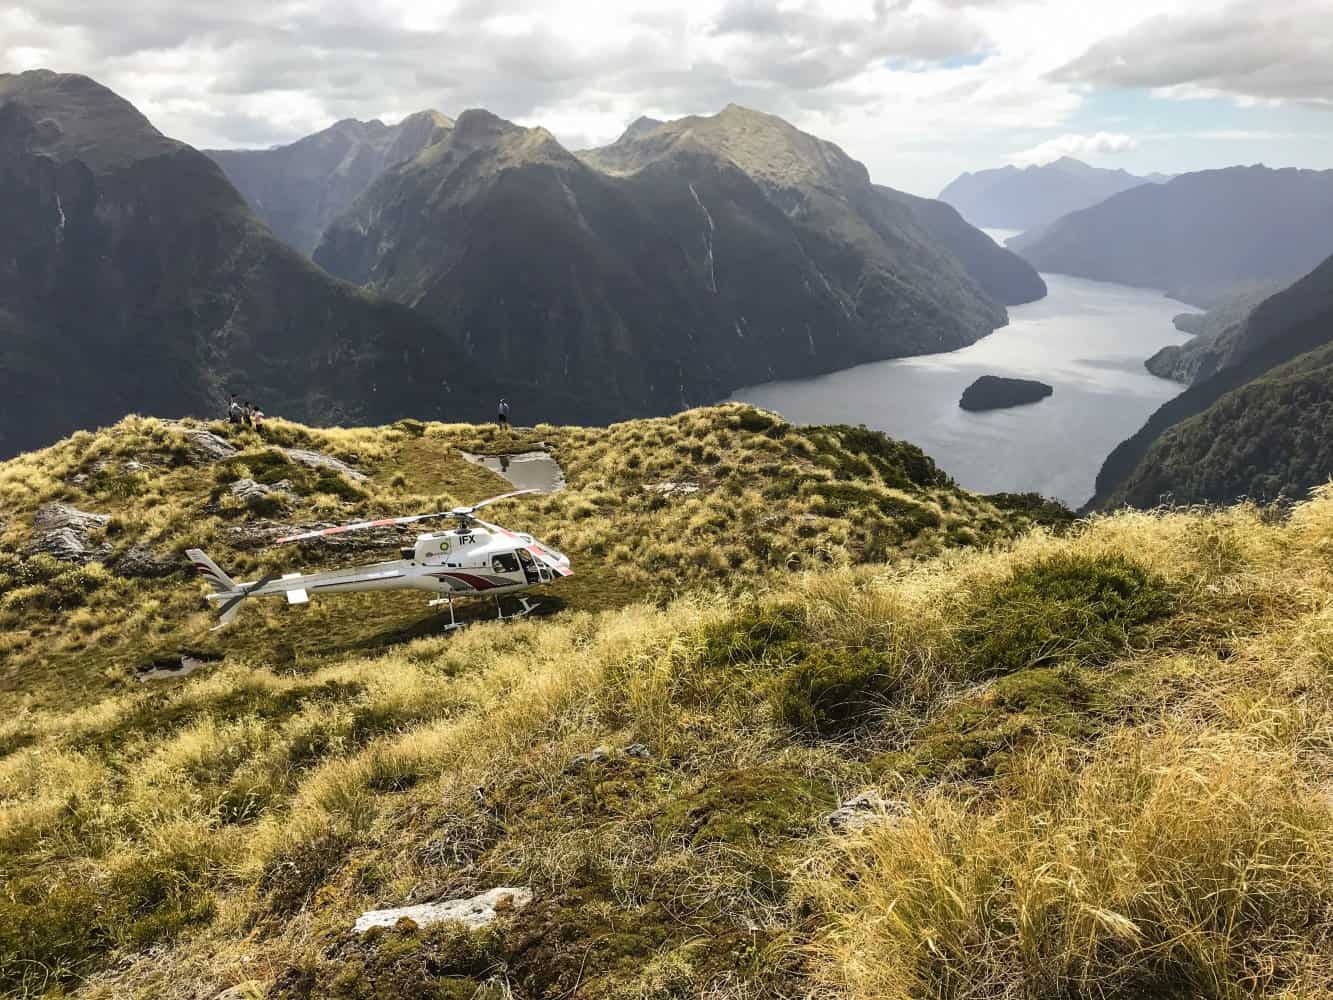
1114	743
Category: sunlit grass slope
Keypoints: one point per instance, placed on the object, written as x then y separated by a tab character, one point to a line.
1111	746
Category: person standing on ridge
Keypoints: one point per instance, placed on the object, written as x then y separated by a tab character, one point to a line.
502	413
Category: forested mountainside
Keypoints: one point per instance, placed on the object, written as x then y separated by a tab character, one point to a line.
1254	428
1201	237
1217	339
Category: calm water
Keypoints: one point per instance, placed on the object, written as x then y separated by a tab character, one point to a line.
1088	339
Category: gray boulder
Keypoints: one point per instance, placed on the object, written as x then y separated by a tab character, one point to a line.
473	912
61	532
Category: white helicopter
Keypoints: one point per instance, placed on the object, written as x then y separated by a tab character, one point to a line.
474	559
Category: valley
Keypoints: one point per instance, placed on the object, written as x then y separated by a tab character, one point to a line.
1087	339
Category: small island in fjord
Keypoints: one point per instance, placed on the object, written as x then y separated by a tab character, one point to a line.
991	392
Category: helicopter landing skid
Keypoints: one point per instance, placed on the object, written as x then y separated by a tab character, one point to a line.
454	623
528	607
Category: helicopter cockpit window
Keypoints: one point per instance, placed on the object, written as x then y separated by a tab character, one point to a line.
504	563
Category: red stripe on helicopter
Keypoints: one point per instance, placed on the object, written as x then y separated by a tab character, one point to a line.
475	582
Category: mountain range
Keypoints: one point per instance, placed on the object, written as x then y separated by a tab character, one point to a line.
1201	237
683	261
298	189
1258	427
134	278
1030	197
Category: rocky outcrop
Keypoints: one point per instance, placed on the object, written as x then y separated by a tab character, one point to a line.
867	809
473	912
318	460
992	392
258	496
62	532
142	562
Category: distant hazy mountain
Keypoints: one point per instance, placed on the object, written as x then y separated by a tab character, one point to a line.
1201	237
134	278
1013	198
1261	427
300	188
1217	339
673	266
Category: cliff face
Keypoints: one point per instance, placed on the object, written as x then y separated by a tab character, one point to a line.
133	278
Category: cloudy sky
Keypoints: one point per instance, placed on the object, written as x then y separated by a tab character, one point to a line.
920	90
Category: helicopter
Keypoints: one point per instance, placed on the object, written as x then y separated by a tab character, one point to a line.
475	558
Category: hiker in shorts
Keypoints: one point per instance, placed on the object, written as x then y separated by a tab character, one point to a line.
502	413
234	411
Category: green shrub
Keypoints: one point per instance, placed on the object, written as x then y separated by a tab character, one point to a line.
1061	608
756	633
833	691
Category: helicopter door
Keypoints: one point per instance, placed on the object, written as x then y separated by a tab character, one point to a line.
529	565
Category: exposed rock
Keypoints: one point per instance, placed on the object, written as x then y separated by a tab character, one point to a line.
61	531
318	460
671	489
638	751
205	445
141	561
597	755
473	912
991	392
254	494
869	808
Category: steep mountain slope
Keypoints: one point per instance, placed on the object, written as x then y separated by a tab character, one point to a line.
134	278
1027	198
1218	339
1252	429
683	261
1001	273
1201	237
298	189
1088	761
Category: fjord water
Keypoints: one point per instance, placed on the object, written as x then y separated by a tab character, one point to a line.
1088	339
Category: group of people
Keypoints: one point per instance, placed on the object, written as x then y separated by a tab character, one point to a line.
244	413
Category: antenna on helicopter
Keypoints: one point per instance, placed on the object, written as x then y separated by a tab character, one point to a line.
462	514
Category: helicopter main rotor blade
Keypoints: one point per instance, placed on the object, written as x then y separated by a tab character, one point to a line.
386	522
383	522
464	511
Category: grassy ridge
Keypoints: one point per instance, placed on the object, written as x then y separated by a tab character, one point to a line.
1113	748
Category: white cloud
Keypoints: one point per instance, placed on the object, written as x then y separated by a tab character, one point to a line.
918	89
1072	144
1255	52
